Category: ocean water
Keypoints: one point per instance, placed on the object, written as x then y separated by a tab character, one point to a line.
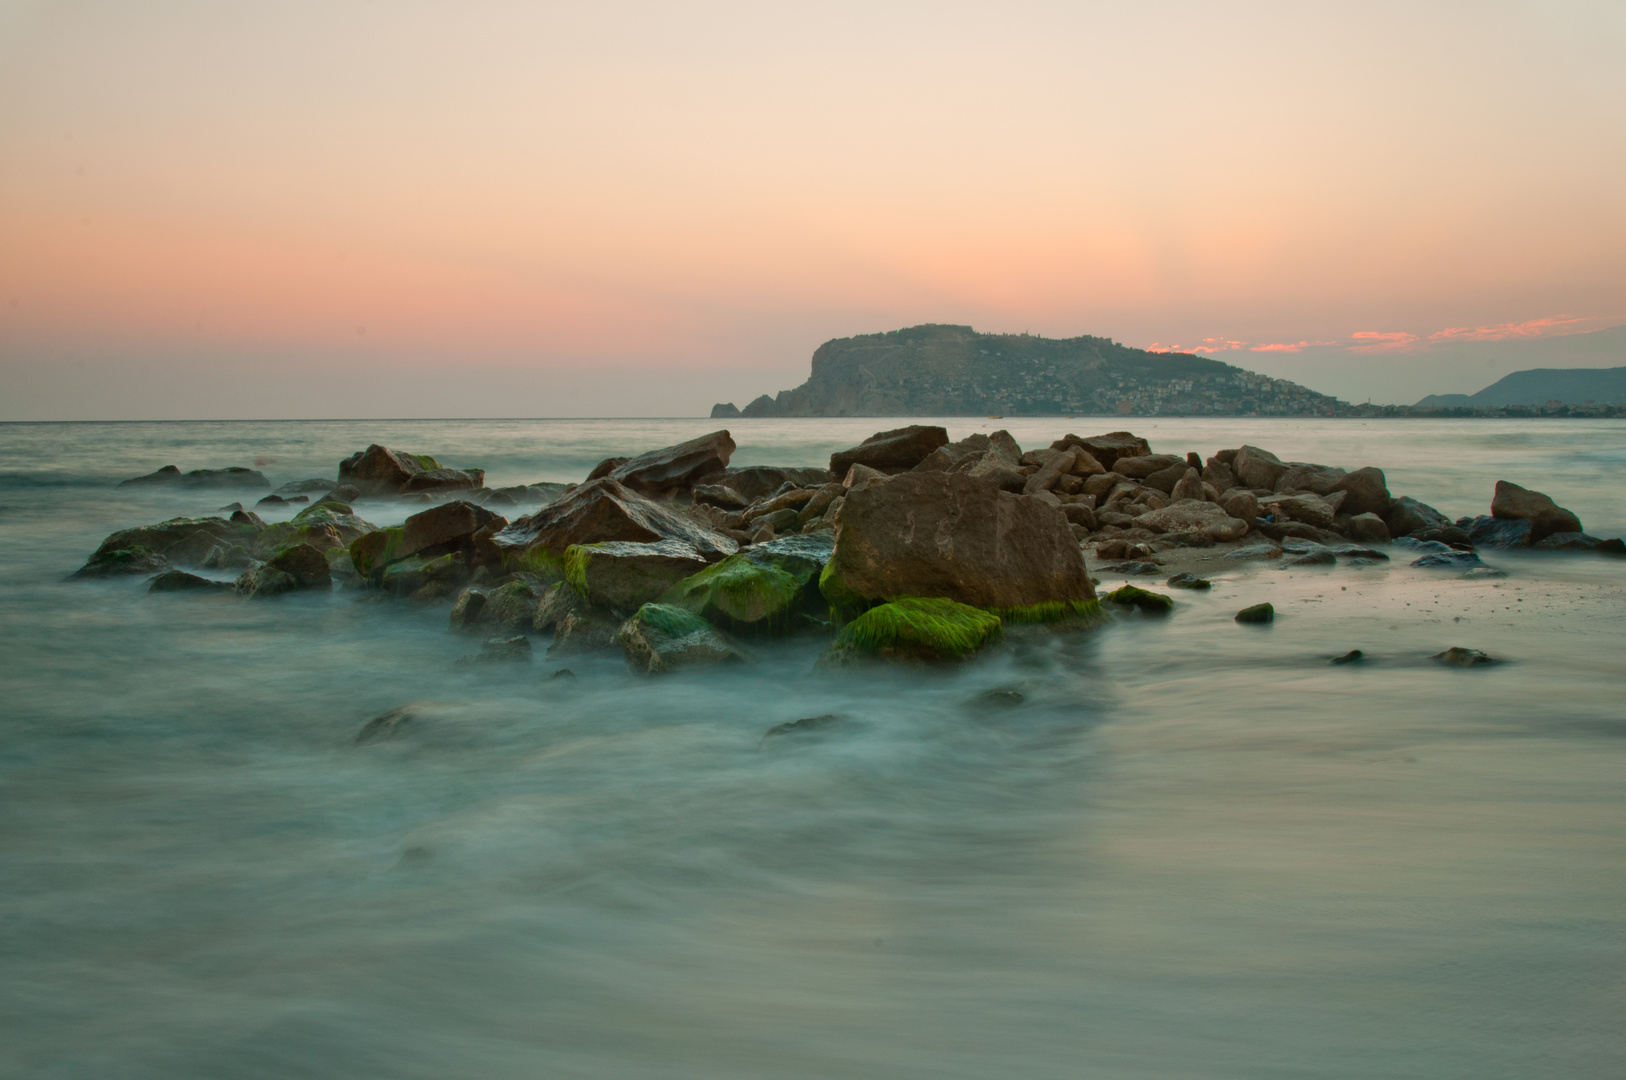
1191	849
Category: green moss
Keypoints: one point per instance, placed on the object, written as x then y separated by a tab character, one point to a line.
670	620
1150	602
844	603
375	551
918	628
740	593
575	567
1075	612
537	561
425	461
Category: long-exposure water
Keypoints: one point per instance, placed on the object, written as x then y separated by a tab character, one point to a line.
1191	848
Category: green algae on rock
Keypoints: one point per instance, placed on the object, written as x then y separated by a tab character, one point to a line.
922	629
1150	602
741	594
664	637
1258	613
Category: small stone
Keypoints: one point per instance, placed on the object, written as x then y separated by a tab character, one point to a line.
1353	656
1448	560
804	726
1189	581
1149	602
1258	613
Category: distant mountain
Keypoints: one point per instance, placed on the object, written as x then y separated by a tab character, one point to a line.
1538	386
941	370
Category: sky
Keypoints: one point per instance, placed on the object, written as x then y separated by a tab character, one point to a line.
364	209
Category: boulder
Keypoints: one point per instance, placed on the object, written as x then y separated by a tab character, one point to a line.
1315	479
1258	613
1106	449
1082	515
1219	476
660	638
1059	465
930	630
1365	492
378	470
466	609
606	467
720	495
1195	516
892	451
180	540
1502	533
507	609
557	601
1189	486
181	581
1448	560
1150	603
272	500
426	577
953	536
1139	468
234	477
119	561
1189	581
1164	480
751	592
622	576
1572	541
675	469
313	486
1306	507
1367	528
509	650
448	527
1240	502
1456	656
298	567
948	455
1406	516
759	481
996	468
1514	503
1257	468
598	512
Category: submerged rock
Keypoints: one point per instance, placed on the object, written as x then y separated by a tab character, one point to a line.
583	631
1258	613
130	560
181	581
1448	560
807	725
1460	657
182	540
299	567
915	629
661	637
1353	656
1189	581
509	650
235	476
892	451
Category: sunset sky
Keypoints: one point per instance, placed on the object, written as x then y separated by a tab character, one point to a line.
435	209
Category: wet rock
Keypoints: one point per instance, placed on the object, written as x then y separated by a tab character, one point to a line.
1260	549
584	631
674	469
1320	557
298	567
914	629
948	535
1484	572
509	650
1499	533
998	698
1151	603
447	527
235	476
1189	581
1256	614
119	561
313	486
746	596
1353	656
1448	560
1240	503
1366	491
466	610
1106	449
1309	508
272	500
1299	478
720	495
622	576
1143	466
602	511
558	600
759	481
1406	516
891	451
808	725
1546	517
378	470
1568	541
181	581
1195	516
1457	656
1257	468
426	577
1133	568
1368	528
660	638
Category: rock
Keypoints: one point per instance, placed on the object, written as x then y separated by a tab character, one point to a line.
720	495
725	411
1150	603
466	609
892	451
1189	581
660	638
1189	486
1320	557
297	568
758	481
201	478
1315	479
181	581
557	601
426	577
1501	533
272	500
1546	517
509	650
1257	468
1195	516
744	595
1365	492
1448	560
1145	568
378	470
816	507
1106	449
1262	549
1457	656
673	469
1569	541
808	725
622	576
507	609
1258	613
1059	465
782	521
1164	480
1219	476
1353	656
583	632
1306	507
249	518
606	467
914	629
1406	516
1241	503
1139	468
597	512
313	486
763	405
1367	528
118	561
450	526
952	536
996	468
1080	514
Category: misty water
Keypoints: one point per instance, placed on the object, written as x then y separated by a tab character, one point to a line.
1190	848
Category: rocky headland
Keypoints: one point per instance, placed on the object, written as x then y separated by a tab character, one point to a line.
908	547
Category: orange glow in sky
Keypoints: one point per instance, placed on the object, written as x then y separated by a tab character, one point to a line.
712	189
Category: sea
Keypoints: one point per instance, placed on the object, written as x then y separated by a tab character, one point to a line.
1165	848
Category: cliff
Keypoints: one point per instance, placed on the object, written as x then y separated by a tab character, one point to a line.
940	370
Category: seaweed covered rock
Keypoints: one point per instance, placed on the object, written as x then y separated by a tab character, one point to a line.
1514	503
622	576
120	561
460	528
915	629
743	595
557	601
378	470
507	609
185	541
1151	603
948	535
299	567
233	477
892	451
598	512
584	631
674	469
660	638
426	577
1257	615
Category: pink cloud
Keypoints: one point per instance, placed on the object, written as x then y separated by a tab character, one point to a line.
1209	345
1374	341
1530	328
1288	346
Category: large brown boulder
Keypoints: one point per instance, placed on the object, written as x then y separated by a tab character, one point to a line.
1257	468
758	481
1316	479
891	451
1514	503
1406	516
1107	449
446	527
1366	491
378	470
1194	516
623	576
953	536
673	469
1144	465
599	511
